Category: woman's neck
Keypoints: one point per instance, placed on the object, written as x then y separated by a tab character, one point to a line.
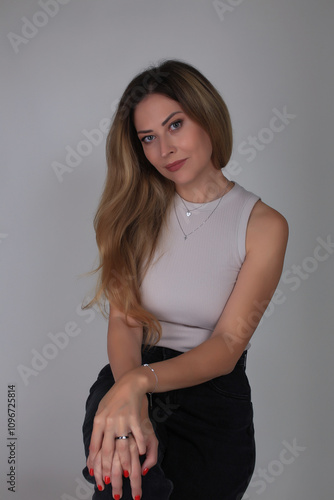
211	190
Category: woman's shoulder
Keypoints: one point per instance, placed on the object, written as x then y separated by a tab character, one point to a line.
263	215
266	227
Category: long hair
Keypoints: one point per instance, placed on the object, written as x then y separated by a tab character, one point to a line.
136	198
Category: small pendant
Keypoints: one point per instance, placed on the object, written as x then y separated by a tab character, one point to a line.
188	214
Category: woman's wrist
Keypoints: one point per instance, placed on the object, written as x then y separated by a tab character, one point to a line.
149	367
140	379
146	378
155	376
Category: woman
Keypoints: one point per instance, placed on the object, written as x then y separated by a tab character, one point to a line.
188	264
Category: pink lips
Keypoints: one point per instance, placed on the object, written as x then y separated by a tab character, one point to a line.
172	167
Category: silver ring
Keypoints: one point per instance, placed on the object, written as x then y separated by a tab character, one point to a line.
122	437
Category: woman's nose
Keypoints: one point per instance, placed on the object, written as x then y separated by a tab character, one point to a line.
166	146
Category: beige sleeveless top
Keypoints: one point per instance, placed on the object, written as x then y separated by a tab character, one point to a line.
190	280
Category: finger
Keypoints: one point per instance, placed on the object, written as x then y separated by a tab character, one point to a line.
98	471
107	451
139	438
123	450
135	476
95	441
116	477
151	454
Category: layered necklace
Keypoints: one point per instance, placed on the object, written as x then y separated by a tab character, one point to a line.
189	212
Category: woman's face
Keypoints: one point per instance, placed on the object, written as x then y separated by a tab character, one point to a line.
168	135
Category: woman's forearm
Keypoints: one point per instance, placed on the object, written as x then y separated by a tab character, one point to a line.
124	346
210	359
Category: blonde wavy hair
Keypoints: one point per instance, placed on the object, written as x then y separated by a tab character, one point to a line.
136	198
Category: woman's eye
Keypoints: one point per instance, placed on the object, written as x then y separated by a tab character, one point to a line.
176	125
147	139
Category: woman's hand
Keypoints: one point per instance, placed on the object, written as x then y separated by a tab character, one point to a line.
137	470
123	410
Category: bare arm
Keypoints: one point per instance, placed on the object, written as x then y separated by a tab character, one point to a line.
124	353
124	343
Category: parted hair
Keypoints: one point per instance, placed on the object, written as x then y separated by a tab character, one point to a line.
136	198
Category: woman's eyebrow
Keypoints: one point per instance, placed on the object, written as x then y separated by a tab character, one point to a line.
163	123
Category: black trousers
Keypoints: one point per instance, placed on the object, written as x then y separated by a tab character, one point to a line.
205	433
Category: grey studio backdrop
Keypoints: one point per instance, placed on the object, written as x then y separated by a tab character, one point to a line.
64	65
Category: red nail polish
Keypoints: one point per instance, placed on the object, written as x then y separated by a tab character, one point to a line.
99	487
117	497
91	472
137	497
126	473
107	480
145	471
